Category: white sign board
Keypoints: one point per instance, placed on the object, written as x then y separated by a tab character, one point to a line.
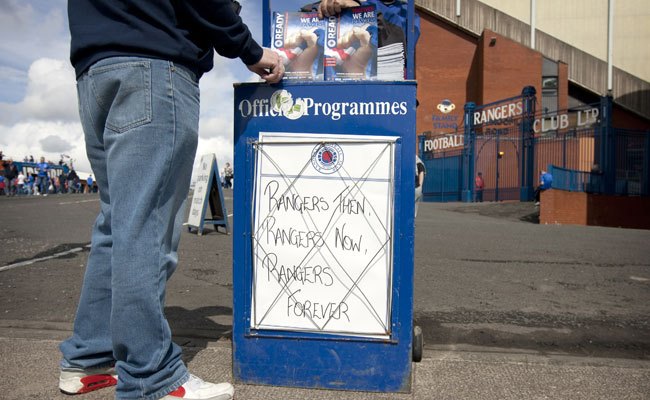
322	237
200	197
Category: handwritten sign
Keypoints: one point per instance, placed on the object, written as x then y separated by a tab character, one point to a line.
207	191
322	239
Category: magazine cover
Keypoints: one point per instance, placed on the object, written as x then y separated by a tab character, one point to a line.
298	38
351	45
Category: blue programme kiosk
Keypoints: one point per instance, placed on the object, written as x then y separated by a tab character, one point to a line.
323	235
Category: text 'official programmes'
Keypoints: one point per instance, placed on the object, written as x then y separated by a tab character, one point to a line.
334	110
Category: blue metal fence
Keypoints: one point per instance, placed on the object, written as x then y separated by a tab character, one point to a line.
444	181
576	181
630	164
587	154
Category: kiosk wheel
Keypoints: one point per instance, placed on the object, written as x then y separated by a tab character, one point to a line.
418	343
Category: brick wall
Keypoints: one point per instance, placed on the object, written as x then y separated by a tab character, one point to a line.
454	65
507	67
627	120
577	208
444	63
563	86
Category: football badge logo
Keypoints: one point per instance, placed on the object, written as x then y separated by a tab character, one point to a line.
327	158
446	106
283	102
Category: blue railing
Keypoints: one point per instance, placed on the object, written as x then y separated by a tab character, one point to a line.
576	181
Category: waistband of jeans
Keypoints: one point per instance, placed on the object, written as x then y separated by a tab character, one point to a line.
192	74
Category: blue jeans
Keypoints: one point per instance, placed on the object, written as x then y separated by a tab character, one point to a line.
43	184
140	119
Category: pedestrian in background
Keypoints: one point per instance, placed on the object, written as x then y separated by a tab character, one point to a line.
11	173
138	65
479	185
63	179
56	185
29	184
20	183
420	171
227	176
43	181
72	180
545	183
89	184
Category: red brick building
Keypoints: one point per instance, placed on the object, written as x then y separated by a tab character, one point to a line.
454	66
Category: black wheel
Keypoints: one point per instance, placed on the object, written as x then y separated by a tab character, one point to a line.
418	344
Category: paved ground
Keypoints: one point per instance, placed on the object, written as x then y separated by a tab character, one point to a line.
510	309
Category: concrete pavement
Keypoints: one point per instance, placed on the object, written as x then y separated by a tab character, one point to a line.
446	372
531	312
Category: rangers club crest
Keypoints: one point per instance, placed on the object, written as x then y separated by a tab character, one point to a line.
327	158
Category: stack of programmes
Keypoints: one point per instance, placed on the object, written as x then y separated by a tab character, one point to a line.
341	47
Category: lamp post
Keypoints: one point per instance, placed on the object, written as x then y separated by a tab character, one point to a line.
610	44
533	10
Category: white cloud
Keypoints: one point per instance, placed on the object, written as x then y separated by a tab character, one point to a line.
216	126
217	95
50	94
55	144
13	83
46	122
38	103
45	138
51	91
29	30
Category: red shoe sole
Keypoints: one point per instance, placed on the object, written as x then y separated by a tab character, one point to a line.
95	382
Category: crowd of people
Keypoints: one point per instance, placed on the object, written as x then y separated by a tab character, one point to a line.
227	175
45	179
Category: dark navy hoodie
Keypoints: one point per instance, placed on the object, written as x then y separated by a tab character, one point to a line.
182	31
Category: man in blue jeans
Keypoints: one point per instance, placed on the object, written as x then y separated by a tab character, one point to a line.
43	181
138	64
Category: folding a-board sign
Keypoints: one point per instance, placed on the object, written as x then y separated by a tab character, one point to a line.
323	239
207	192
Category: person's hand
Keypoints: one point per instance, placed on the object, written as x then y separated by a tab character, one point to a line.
332	7
269	67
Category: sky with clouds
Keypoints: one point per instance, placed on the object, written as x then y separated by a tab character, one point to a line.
38	100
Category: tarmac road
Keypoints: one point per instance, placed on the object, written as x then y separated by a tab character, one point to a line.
488	282
493	279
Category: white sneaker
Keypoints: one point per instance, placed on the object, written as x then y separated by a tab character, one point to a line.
77	381
197	389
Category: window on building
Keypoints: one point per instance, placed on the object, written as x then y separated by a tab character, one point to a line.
549	86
